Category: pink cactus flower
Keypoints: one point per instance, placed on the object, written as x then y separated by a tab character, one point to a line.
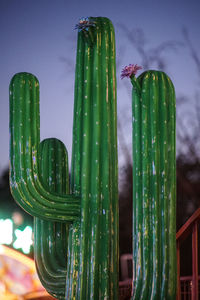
84	24
130	70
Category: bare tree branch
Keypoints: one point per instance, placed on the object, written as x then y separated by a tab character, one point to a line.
193	52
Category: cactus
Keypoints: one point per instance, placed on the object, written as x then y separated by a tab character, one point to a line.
154	188
51	237
84	248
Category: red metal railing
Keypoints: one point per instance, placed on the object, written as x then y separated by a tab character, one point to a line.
189	284
186	287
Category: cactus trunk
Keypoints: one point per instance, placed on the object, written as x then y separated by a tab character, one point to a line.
88	242
154	188
94	167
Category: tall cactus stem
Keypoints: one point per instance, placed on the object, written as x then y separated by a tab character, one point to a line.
154	188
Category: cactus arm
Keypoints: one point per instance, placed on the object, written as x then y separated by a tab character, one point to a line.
154	199
50	247
25	179
51	270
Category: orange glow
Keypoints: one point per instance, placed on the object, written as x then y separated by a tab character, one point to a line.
17	274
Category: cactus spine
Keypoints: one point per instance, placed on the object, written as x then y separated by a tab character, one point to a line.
154	189
90	211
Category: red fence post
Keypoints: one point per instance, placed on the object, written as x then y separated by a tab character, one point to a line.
178	296
195	261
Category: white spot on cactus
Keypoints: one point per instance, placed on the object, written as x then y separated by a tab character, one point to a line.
86	96
154	169
85	80
34	159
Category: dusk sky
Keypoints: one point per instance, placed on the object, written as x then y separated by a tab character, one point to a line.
38	36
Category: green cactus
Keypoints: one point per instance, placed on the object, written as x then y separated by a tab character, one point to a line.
85	247
51	238
154	188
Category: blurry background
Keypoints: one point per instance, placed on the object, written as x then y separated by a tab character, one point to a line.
39	37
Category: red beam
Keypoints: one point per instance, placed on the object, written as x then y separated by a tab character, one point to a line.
187	227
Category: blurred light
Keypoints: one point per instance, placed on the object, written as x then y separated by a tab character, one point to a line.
6	251
17	218
6	231
24	239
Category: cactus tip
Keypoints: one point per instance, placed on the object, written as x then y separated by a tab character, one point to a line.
84	24
130	70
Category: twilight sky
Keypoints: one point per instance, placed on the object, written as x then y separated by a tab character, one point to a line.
38	36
